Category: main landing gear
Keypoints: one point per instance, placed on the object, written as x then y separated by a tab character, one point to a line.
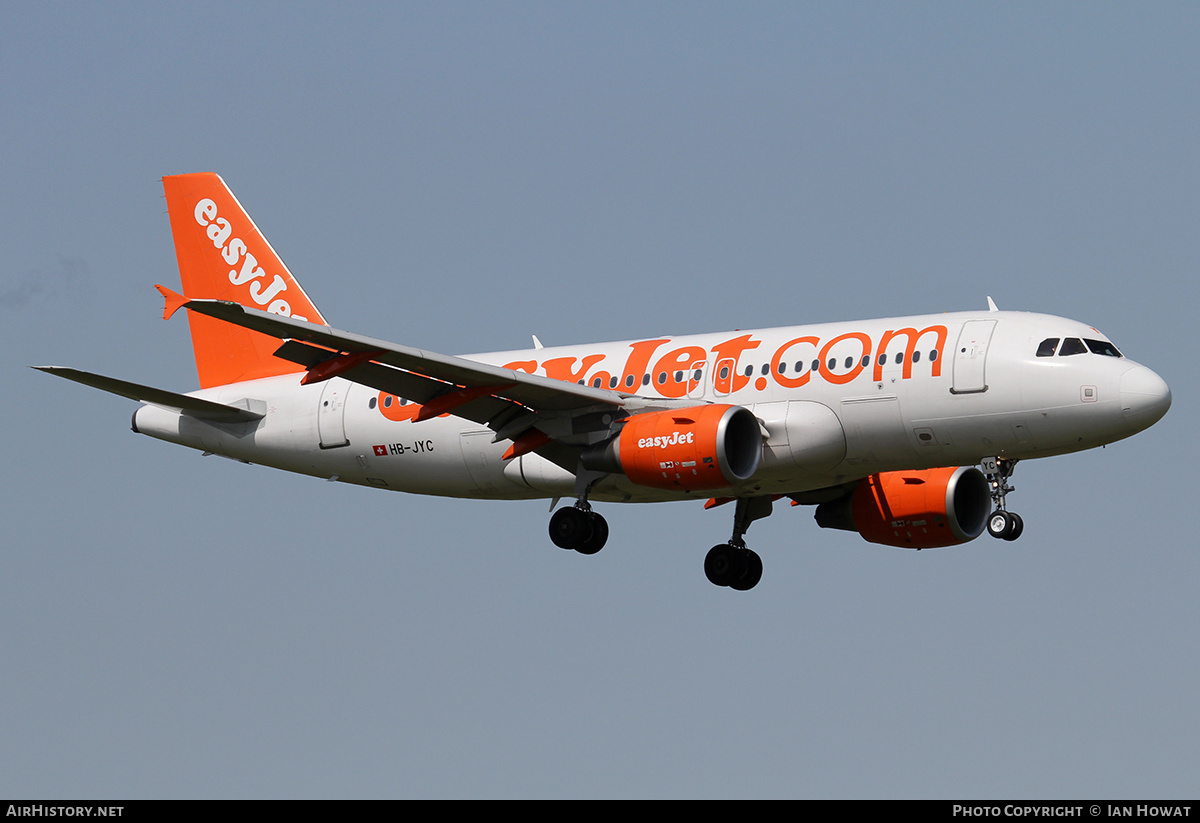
577	527
732	564
1002	523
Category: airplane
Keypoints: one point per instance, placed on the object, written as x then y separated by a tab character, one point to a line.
905	430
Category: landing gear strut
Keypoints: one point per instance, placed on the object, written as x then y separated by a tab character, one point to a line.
1002	523
732	564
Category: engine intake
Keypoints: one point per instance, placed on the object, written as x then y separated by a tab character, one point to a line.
914	509
702	447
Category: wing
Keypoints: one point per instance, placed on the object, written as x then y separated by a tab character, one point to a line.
529	409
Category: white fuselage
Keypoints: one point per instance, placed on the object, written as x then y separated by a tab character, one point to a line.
837	402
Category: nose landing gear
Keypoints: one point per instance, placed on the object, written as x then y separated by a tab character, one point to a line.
1002	523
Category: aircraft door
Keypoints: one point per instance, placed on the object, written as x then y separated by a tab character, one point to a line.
331	414
695	384
970	357
722	377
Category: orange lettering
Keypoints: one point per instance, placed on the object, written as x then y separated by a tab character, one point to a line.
784	380
863	339
913	337
680	360
731	350
391	407
527	366
638	361
560	368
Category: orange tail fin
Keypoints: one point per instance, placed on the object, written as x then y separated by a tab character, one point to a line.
223	256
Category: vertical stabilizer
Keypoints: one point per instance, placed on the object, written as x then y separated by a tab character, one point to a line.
223	256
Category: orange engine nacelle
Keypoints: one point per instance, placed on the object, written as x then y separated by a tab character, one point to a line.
702	447
914	509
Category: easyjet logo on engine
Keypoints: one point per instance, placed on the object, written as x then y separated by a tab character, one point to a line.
233	249
676	438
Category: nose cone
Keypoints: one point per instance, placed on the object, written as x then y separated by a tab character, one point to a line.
1145	397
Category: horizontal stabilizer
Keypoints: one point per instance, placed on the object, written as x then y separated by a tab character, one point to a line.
194	406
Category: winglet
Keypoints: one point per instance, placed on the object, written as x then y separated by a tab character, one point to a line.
174	301
992	304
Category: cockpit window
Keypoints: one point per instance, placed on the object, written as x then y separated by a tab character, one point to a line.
1102	347
1072	345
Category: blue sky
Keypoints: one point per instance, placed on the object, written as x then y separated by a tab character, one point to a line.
460	176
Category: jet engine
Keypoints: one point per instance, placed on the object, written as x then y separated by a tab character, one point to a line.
914	509
697	448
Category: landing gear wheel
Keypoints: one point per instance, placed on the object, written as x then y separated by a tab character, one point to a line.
738	568
599	535
1018	526
721	564
752	575
572	527
1001	525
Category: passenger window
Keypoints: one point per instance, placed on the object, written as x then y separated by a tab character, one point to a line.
1072	345
662	377
1048	346
883	359
1102	347
629	382
916	357
933	355
646	379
